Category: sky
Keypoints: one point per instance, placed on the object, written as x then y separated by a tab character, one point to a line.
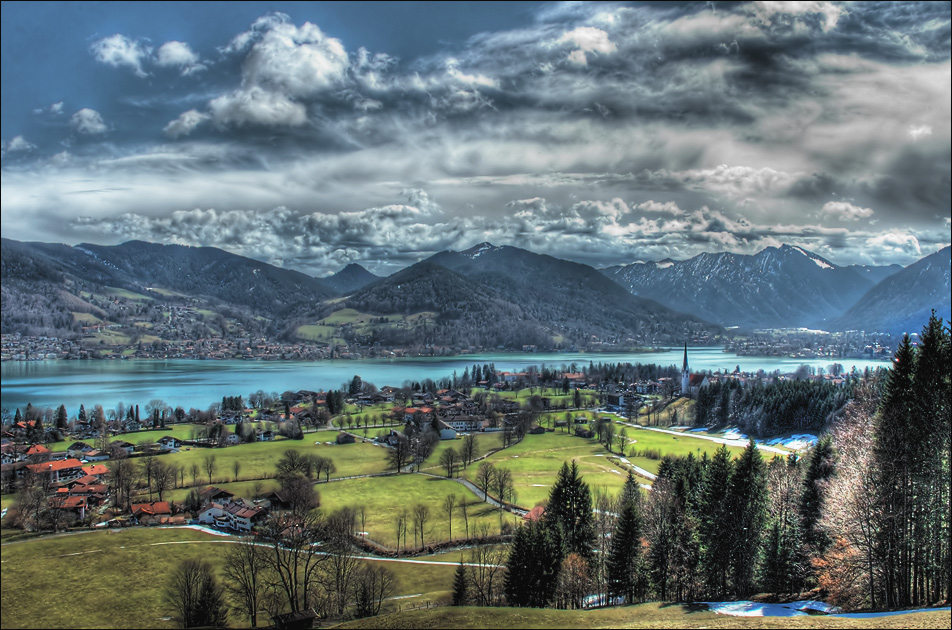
314	135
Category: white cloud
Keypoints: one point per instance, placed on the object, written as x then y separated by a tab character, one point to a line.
299	61
56	108
185	123
587	39
846	211
284	65
895	242
17	143
257	106
118	50
179	55
668	207
88	122
920	131
772	12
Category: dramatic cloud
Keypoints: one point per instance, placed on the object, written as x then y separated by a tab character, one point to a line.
600	132
846	210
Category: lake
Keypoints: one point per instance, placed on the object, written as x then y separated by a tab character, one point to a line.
196	383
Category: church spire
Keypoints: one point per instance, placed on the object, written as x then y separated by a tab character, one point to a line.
685	374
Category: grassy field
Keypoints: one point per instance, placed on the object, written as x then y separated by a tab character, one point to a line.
386	497
535	461
642	616
73	581
361	323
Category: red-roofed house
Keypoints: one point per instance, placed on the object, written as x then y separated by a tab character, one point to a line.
76	505
60	471
38	451
149	513
96	470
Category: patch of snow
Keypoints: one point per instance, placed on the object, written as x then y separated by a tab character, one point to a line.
822	264
664	264
756	609
734	434
207	530
890	613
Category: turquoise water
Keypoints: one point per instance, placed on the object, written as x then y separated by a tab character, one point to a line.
194	383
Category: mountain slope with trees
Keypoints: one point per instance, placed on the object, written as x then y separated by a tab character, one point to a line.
779	287
489	296
901	302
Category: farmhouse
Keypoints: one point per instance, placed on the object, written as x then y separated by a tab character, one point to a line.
60	471
153	513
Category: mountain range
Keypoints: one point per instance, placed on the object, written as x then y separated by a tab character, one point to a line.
779	287
486	296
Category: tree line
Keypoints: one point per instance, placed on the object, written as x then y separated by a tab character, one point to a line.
864	516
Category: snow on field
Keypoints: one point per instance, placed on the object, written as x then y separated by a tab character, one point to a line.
891	613
208	530
799	609
758	609
734	434
796	442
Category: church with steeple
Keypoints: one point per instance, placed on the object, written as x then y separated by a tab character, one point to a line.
691	383
685	374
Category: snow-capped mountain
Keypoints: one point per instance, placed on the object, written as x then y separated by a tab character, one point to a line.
778	287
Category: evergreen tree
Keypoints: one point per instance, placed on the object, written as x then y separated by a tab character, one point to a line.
933	400
625	561
532	568
81	417
894	458
820	469
716	526
62	419
748	504
461	585
568	514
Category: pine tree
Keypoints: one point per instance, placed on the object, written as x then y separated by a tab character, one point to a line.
568	514
532	567
81	417
933	391
625	560
748	501
461	585
716	527
893	462
62	419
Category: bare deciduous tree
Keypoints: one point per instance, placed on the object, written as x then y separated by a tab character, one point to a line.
245	567
449	503
210	466
372	585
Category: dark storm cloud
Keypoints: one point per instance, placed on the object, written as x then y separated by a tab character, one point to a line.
598	132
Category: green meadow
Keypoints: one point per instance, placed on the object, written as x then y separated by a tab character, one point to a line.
385	498
114	578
